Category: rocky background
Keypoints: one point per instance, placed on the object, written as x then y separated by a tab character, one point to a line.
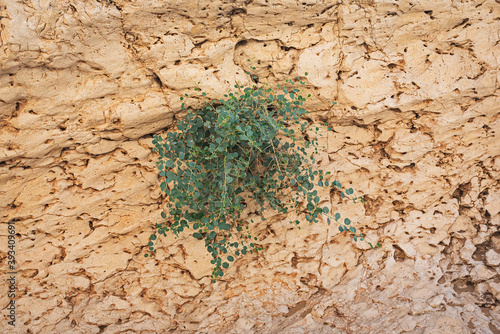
85	84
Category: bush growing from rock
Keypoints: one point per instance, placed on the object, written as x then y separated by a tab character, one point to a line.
250	146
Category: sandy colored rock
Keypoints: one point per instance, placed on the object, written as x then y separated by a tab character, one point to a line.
445	324
84	85
492	258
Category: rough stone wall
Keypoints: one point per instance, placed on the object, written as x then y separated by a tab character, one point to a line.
84	85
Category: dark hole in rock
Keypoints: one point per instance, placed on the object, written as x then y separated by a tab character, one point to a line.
399	254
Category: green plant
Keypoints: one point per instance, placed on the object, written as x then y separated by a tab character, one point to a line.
250	146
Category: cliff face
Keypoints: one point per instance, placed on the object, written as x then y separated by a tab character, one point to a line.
85	84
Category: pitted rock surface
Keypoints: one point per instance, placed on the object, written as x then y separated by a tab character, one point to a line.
85	84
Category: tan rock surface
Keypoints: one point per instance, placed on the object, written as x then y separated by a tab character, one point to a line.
85	84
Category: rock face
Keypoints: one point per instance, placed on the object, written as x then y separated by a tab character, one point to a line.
85	84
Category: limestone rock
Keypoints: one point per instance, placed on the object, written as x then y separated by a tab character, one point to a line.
467	251
85	84
495	289
480	272
445	324
492	258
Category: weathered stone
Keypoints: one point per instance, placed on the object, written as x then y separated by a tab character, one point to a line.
85	84
445	324
481	273
492	258
467	251
495	289
436	301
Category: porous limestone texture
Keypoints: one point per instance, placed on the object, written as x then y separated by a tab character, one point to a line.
84	84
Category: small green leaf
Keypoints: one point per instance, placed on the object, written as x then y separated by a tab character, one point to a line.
225	265
347	221
353	229
223	226
170	176
152	237
163	215
337	216
230	258
341	229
